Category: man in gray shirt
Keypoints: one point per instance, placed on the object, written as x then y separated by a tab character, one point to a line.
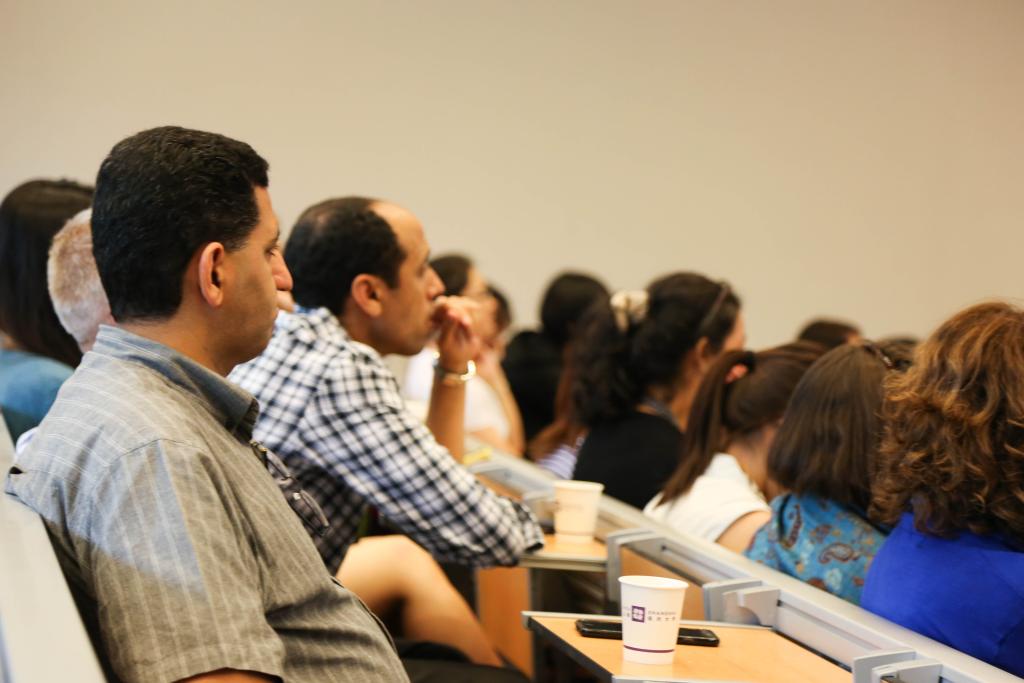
186	559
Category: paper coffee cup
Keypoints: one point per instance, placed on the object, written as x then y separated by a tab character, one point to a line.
651	606
576	510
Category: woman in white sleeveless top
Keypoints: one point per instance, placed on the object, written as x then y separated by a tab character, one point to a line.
719	489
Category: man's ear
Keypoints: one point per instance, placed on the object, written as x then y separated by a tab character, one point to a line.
211	274
367	293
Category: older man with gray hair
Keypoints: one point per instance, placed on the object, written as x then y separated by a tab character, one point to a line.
75	288
76	291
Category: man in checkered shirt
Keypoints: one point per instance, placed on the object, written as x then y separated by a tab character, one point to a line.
333	411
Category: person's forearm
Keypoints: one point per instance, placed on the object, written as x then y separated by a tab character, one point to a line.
446	416
516	438
516	434
456	346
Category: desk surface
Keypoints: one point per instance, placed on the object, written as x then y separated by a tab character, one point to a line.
752	654
591	556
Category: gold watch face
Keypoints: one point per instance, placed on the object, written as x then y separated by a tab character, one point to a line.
452	379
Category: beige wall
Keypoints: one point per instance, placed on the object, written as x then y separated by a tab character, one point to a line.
860	158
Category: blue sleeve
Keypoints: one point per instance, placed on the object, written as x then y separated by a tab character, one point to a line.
1011	650
40	397
31	394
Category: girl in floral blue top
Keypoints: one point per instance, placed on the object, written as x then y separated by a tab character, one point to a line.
818	541
821	461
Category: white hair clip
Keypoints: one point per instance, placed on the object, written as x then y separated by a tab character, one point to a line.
629	308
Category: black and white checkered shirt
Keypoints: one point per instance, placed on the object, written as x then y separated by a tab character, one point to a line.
332	410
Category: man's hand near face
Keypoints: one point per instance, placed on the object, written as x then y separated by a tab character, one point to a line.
457	345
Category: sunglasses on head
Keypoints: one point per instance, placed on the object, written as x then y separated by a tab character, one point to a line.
716	306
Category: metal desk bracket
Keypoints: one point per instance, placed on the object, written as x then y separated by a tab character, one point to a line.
741	601
917	671
864	665
614	543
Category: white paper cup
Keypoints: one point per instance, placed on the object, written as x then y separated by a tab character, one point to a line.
651	606
576	510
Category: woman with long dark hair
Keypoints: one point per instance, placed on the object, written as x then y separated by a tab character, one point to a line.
823	458
719	489
638	364
36	354
951	478
535	359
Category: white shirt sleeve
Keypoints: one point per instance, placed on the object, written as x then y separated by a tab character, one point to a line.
718	498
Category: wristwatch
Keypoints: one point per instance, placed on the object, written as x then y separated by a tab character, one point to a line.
453	379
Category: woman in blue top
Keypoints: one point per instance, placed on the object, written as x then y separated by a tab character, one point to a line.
951	476
821	460
36	354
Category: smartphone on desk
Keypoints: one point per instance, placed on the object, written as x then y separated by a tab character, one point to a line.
592	628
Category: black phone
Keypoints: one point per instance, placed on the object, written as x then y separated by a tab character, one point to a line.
592	628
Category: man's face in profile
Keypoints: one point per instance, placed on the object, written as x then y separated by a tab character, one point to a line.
259	274
407	321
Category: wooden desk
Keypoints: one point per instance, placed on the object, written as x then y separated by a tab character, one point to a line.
505	592
585	557
634	563
502	593
746	653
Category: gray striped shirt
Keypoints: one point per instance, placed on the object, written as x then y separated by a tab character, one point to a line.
167	524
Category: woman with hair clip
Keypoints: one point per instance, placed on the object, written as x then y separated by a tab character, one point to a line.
718	490
823	458
951	477
638	364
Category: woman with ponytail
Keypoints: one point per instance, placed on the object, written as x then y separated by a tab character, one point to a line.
718	490
638	364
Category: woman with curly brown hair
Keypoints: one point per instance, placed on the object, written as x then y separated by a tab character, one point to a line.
952	477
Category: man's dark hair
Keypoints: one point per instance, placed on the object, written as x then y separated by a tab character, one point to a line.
30	215
160	195
332	243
